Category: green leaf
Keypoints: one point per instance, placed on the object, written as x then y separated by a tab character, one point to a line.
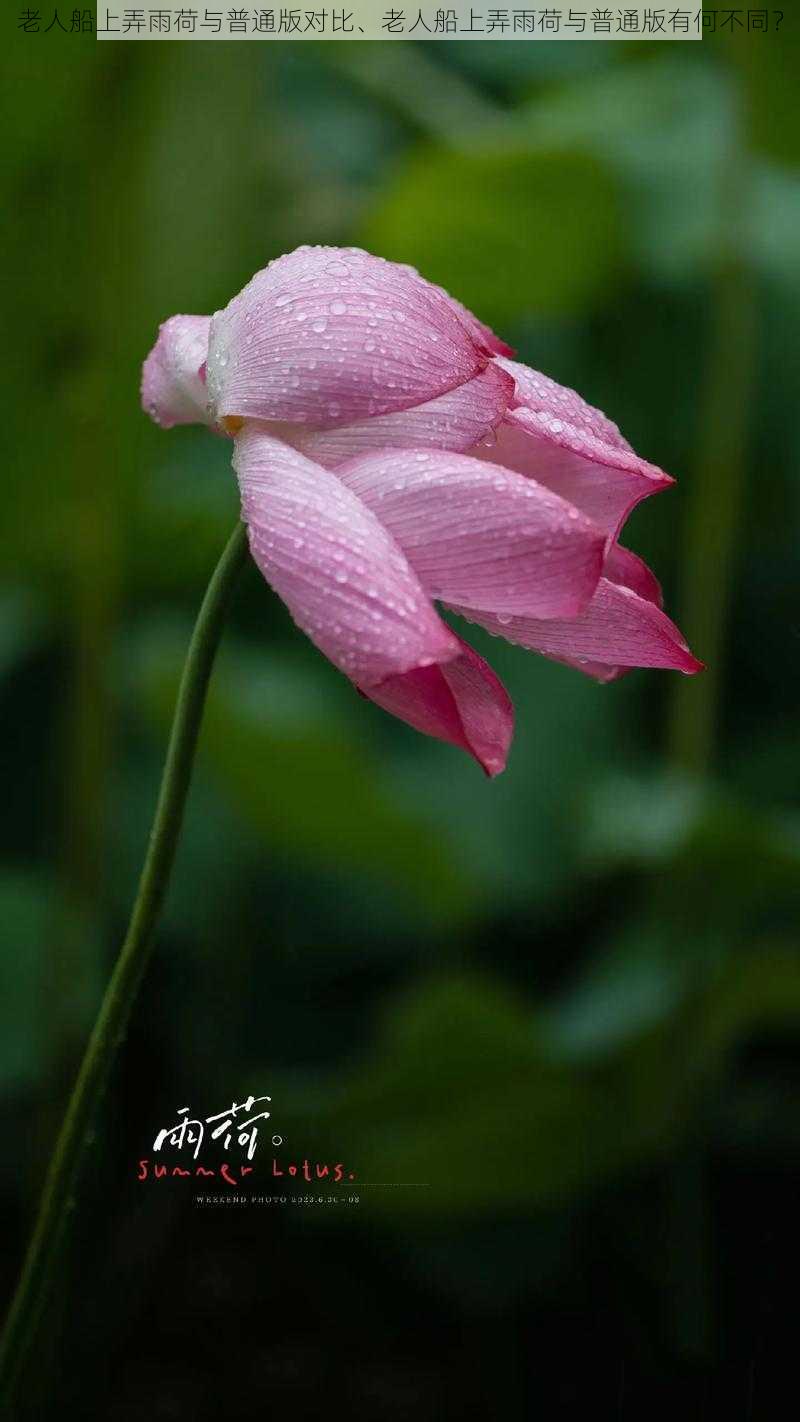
662	128
733	862
507	232
285	739
459	1097
467	1100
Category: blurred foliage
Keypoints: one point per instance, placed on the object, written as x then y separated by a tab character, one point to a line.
492	1108
541	996
23	907
553	251
279	740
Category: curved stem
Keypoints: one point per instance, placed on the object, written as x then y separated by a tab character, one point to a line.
109	1029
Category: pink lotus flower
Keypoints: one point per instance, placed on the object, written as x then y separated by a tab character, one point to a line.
389	453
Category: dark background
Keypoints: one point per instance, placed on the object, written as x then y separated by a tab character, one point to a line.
567	1001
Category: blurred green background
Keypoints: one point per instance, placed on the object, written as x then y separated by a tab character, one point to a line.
567	1000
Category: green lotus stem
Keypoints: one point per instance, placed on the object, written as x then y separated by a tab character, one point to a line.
715	502
713	513
107	1035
